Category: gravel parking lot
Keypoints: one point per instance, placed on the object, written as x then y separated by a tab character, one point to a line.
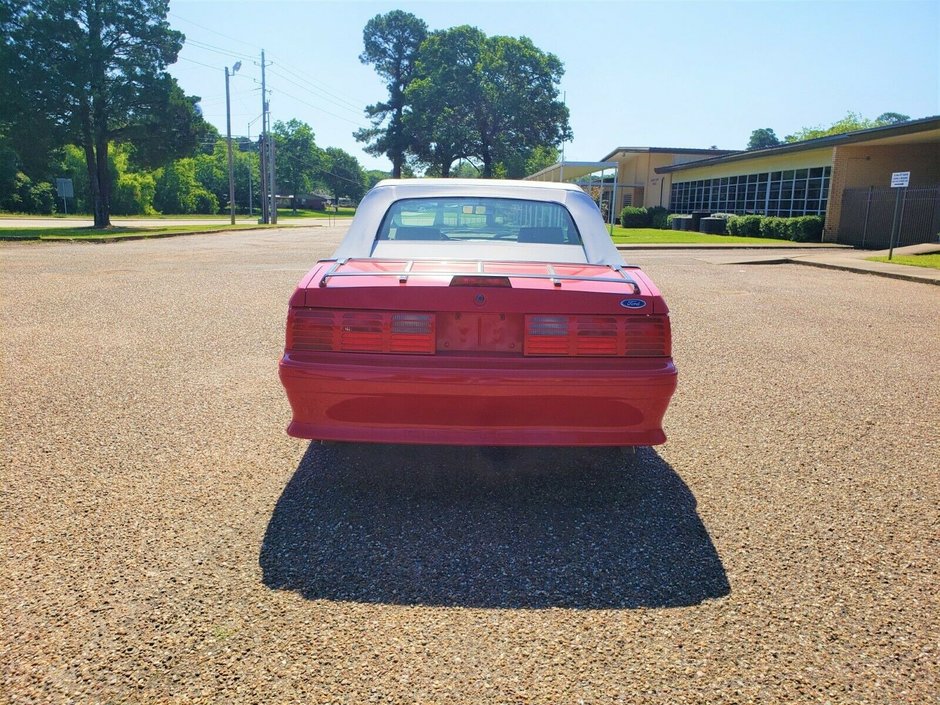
164	541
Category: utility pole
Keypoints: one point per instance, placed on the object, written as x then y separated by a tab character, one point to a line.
228	132
263	180
269	196
251	209
271	172
262	150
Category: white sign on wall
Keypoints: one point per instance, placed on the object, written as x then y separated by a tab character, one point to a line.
900	179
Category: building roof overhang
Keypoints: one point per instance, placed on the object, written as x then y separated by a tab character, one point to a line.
925	129
569	171
667	150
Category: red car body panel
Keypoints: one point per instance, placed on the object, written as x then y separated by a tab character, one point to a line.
478	376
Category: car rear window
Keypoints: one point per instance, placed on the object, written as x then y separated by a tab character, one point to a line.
459	218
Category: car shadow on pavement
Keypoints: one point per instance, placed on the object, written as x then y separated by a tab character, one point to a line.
492	528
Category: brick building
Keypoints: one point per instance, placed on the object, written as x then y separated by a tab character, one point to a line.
845	178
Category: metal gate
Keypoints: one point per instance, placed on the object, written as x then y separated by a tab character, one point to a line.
869	213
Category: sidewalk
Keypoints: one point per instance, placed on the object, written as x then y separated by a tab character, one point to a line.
826	255
856	261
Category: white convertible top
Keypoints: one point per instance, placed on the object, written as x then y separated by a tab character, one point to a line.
360	240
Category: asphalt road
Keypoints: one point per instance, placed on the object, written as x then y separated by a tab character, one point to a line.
163	540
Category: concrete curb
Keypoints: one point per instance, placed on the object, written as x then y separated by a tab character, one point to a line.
878	272
717	246
830	256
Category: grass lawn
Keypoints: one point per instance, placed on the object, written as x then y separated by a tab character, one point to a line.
114	233
651	236
342	212
932	261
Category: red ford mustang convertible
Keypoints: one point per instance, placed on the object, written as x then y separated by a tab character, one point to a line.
477	312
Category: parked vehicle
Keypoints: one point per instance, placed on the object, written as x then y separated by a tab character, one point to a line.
478	312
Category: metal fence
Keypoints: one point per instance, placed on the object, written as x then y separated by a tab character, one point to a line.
870	215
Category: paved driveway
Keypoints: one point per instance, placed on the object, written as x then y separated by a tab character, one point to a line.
165	541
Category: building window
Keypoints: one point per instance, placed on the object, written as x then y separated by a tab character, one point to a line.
783	193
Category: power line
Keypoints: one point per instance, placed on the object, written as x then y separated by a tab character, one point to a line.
356	110
193	61
323	110
209	29
309	81
218	50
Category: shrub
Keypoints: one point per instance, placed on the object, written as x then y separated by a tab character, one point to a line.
807	228
27	196
634	217
133	194
178	191
746	225
775	227
658	216
42	198
206	202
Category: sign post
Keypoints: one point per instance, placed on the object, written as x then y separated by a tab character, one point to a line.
65	190
900	181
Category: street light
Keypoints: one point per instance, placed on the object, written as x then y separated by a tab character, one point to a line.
228	126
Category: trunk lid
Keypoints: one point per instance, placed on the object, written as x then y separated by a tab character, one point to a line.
479	287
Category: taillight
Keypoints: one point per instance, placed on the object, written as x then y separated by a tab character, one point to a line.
360	331
597	336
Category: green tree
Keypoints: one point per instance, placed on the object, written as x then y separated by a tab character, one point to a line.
299	160
212	172
850	123
73	167
466	170
521	163
133	191
763	138
374	176
493	98
8	170
391	43
211	168
98	73
26	196
540	158
441	126
179	191
519	109
342	174
892	118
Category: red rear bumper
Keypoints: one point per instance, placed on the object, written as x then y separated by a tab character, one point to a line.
478	401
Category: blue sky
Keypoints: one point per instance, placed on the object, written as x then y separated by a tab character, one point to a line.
662	74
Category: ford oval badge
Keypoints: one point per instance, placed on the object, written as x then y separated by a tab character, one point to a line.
633	303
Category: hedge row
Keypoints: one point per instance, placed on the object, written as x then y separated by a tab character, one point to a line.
652	217
806	228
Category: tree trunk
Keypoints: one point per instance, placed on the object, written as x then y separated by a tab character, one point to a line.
98	127
103	202
91	163
487	164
